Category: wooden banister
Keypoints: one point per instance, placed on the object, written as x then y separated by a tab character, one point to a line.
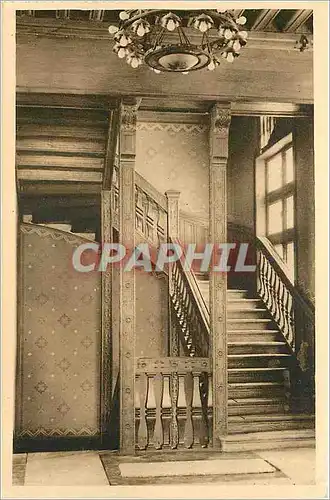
190	313
171	414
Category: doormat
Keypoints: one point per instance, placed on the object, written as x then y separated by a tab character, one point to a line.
186	468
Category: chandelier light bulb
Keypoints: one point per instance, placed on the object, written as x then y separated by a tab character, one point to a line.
140	31
203	26
221	11
243	34
241	20
230	57
124	41
170	25
135	62
236	46
224	55
228	34
156	71
211	66
113	29
121	53
124	15
185	72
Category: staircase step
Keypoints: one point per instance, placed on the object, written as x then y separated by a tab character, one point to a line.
254	335
256	375
249	324
266	426
278	439
258	360
253	406
243	304
253	390
252	313
259	347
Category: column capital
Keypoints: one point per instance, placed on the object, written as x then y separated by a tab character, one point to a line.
220	117
172	194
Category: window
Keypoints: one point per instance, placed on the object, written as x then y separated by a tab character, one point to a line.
280	203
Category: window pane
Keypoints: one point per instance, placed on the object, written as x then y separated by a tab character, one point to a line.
289	213
290	259
279	250
275	217
274	167
289	173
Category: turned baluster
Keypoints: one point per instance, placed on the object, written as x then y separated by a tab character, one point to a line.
158	431
289	304
174	392
189	429
139	224
143	429
204	391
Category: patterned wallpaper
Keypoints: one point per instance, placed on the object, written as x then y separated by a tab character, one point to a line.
176	156
59	337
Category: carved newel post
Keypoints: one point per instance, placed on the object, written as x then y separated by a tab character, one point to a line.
219	131
173	234
127	278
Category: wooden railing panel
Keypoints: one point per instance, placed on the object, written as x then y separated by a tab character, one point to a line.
172	408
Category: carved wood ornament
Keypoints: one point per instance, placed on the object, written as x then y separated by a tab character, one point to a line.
219	131
127	279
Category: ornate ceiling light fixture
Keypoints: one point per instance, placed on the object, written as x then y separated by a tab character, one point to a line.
180	41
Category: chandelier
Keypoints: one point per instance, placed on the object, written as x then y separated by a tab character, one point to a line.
180	41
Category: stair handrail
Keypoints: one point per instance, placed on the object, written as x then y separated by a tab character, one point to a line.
266	246
273	279
190	310
192	280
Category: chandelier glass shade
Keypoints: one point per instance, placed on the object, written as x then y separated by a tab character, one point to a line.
179	41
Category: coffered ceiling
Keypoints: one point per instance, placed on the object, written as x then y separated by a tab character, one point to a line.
273	20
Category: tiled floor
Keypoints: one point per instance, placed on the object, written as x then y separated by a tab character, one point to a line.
90	468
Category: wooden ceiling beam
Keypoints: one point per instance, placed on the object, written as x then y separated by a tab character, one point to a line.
63	14
265	19
238	12
96	15
297	20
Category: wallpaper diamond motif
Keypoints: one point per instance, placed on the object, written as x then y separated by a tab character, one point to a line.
59	338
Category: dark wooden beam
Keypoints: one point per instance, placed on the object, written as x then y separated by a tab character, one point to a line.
113	131
96	15
58	188
297	20
67	101
265	19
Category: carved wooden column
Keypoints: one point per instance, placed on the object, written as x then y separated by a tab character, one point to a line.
173	233
106	237
219	129
127	278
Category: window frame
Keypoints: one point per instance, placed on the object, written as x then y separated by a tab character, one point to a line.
265	197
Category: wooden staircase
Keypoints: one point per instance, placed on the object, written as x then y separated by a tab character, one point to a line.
264	329
259	359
